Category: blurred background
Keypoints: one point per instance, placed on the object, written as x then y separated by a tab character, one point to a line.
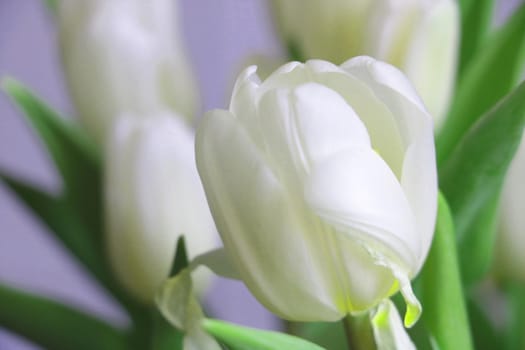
219	34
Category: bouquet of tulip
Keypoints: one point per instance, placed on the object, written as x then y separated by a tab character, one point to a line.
379	173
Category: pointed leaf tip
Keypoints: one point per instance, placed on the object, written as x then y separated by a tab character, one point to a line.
180	260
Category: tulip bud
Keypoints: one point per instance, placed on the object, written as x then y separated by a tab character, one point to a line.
153	195
510	260
124	57
420	37
322	182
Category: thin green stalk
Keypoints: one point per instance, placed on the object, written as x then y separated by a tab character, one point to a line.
515	337
359	334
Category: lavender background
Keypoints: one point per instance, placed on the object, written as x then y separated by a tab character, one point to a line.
219	34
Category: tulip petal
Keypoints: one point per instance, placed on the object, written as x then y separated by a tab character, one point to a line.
304	125
357	190
357	193
259	223
244	102
153	196
430	64
388	330
219	262
380	122
419	175
294	74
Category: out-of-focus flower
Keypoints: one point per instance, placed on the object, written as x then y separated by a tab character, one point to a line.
322	182
420	37
510	245
124	57
153	195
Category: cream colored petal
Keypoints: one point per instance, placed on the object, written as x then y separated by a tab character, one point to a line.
419	174
334	33
244	101
388	328
363	281
304	125
391	27
294	74
356	192
124	57
218	261
432	56
380	74
271	240
153	195
101	59
380	123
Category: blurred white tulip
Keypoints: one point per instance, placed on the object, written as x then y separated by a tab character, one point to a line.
420	37
510	259
322	182
153	195
124	57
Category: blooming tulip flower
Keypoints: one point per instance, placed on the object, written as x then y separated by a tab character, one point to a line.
511	239
124	57
153	195
322	182
420	37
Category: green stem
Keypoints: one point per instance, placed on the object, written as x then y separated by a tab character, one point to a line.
515	339
290	327
359	334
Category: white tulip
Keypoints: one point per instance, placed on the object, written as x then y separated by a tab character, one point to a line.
420	37
124	57
153	195
322	183
511	239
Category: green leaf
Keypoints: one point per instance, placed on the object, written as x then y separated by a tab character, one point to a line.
294	51
55	326
476	18
480	247
65	225
165	336
75	157
62	222
75	217
180	260
330	335
442	297
244	338
484	334
472	178
492	74
515	337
